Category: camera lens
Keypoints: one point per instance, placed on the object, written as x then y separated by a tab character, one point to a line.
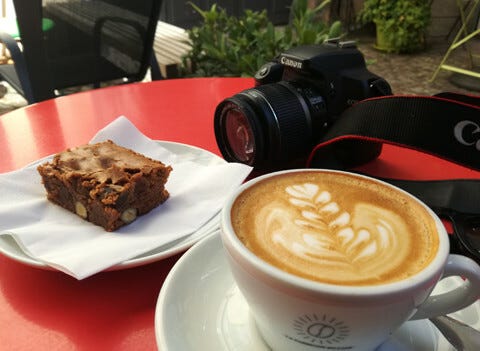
269	125
240	136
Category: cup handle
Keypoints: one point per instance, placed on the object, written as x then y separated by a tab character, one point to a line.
460	297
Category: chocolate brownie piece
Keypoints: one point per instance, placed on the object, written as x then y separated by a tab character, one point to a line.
104	183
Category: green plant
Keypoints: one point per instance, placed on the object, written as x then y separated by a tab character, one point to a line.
307	27
402	22
237	46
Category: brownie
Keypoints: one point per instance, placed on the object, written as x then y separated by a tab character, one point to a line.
104	183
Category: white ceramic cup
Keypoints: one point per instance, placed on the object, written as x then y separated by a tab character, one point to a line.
293	313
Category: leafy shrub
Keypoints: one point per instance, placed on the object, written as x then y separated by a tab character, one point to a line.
237	46
402	22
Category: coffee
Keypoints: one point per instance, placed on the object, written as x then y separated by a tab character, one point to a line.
335	228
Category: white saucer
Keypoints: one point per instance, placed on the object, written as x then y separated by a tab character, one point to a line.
184	152
201	308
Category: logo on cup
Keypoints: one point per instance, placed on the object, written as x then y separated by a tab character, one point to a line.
319	331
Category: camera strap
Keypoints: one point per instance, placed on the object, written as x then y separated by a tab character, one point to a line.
446	125
460	195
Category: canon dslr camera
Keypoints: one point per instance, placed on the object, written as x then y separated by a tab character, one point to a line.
295	99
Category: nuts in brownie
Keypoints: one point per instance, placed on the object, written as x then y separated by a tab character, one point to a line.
105	183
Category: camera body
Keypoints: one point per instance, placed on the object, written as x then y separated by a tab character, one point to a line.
296	98
335	70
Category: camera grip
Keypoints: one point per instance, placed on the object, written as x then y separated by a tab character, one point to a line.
458	298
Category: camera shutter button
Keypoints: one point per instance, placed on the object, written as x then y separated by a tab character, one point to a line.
262	72
269	73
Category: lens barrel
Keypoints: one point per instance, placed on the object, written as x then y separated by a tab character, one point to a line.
269	125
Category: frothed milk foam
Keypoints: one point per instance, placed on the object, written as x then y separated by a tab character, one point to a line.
335	228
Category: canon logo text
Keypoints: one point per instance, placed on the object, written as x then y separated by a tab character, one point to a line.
292	63
468	133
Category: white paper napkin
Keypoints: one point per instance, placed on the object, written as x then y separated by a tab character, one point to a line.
62	240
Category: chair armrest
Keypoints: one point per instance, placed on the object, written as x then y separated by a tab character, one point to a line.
19	62
11	44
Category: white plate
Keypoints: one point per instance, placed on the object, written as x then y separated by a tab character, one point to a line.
201	308
10	248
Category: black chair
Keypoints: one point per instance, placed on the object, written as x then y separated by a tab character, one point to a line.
92	41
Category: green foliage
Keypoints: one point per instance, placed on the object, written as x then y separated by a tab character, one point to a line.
404	22
237	46
307	28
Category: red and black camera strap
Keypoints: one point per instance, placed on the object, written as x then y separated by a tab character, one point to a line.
446	126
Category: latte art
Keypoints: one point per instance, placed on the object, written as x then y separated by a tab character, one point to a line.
334	230
317	231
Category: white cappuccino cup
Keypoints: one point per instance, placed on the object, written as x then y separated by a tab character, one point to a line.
330	260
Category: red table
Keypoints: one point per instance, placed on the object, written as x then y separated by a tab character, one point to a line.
47	310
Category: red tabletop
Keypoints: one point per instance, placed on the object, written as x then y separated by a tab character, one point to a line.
47	310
